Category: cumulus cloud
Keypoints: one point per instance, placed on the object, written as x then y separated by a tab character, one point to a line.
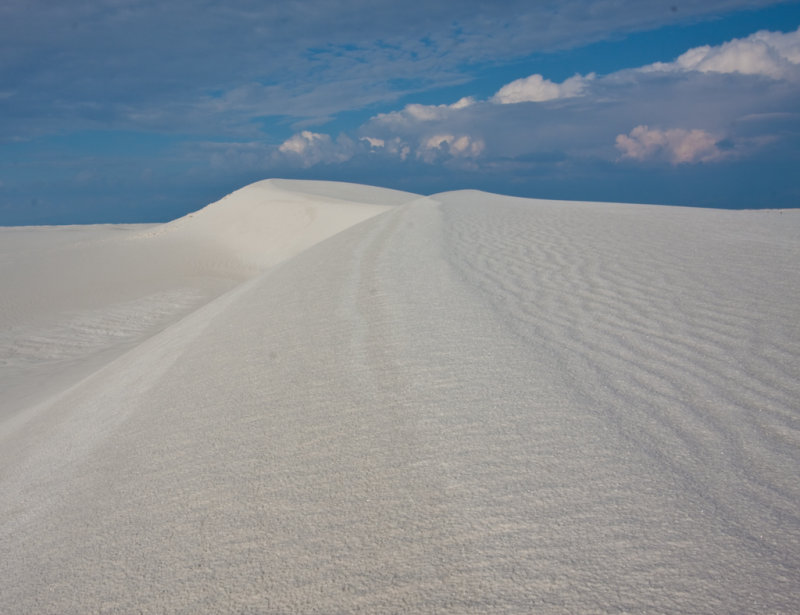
393	147
538	89
414	113
771	54
496	131
462	146
398	147
373	142
311	148
484	135
676	145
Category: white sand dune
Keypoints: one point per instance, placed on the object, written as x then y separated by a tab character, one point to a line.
321	398
72	297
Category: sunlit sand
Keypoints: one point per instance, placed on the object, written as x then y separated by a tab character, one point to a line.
324	397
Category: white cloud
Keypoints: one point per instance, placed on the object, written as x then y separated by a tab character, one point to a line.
302	142
697	117
436	146
463	103
310	148
414	113
398	147
373	142
538	89
394	147
771	54
677	145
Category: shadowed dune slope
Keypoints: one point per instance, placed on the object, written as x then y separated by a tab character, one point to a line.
74	297
468	403
271	220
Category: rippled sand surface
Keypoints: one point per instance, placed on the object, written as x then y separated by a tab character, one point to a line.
316	397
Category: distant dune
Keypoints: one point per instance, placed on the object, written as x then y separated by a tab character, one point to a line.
315	397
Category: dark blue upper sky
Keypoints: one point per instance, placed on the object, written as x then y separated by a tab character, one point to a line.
137	110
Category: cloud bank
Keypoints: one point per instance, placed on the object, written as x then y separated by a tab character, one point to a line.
679	112
675	145
770	54
310	148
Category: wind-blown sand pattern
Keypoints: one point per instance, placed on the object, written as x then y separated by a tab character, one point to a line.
318	398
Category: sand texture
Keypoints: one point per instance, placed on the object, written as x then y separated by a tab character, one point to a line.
313	397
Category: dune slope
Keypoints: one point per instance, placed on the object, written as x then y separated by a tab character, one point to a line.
75	297
467	403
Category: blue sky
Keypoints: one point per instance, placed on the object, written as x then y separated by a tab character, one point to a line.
139	110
